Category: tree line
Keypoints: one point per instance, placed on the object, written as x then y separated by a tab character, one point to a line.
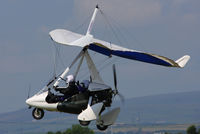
77	129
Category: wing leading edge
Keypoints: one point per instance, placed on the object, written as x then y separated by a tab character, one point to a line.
69	38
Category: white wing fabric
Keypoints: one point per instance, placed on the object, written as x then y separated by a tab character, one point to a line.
66	37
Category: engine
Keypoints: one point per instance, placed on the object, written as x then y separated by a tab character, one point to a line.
104	96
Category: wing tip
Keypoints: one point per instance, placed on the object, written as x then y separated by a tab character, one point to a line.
183	61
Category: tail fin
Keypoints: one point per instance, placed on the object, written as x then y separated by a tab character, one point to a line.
183	61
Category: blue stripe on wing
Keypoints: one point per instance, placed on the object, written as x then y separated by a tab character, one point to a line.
100	49
139	56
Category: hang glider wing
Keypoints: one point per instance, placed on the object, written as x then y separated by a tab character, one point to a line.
73	39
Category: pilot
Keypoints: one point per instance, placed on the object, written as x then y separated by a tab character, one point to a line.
71	88
83	86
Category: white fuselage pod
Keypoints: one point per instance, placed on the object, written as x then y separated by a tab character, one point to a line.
38	101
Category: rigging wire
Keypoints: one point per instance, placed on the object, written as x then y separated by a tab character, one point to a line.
98	63
111	27
116	25
82	24
102	65
54	60
57	49
107	64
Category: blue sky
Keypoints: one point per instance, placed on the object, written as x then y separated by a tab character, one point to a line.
168	28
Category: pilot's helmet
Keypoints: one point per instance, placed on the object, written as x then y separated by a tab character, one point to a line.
70	78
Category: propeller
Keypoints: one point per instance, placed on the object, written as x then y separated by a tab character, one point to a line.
116	92
115	76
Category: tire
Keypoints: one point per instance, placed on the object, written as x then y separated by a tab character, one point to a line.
84	123
102	127
38	113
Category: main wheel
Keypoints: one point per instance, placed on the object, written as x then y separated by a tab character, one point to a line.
102	127
84	123
38	113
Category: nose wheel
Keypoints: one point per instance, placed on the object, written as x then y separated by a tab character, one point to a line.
102	127
38	113
84	123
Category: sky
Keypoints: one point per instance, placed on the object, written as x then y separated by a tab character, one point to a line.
168	28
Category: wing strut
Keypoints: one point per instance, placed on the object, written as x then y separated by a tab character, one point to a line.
91	66
78	68
93	70
62	76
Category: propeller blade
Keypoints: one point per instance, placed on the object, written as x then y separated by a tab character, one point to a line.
122	99
115	76
115	92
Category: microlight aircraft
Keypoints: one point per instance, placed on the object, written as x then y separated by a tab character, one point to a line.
94	102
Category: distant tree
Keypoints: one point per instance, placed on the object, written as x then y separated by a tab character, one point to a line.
199	131
191	130
50	132
77	129
58	132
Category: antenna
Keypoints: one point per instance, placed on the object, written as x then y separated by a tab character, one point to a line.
29	90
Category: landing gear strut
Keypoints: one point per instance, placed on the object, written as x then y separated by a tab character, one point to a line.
38	113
